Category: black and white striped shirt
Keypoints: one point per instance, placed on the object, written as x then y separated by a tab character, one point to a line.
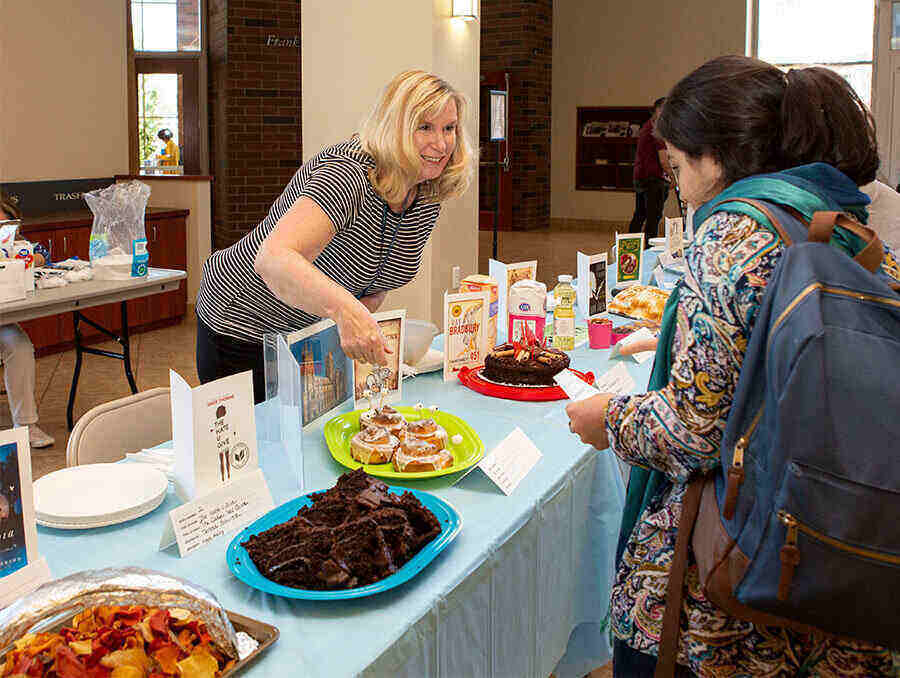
234	301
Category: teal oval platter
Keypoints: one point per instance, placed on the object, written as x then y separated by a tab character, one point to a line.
243	567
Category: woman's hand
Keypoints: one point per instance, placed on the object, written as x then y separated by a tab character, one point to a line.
361	338
587	420
374	301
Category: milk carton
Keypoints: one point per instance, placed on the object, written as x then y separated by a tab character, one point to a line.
527	299
479	283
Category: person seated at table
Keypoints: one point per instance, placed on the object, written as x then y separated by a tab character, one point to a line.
350	226
169	156
17	357
732	118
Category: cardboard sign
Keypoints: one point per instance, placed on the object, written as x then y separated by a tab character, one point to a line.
592	290
629	258
465	331
214	433
675	236
508	463
506	275
221	512
21	568
384	383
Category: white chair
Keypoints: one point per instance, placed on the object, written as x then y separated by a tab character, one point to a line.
107	432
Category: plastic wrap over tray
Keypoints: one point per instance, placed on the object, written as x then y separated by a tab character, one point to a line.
115	586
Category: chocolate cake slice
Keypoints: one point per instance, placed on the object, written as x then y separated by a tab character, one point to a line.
508	364
354	534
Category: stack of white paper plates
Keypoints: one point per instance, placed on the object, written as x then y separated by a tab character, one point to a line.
96	495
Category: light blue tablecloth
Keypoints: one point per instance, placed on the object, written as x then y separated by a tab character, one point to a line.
502	600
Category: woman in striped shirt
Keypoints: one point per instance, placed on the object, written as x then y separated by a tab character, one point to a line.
350	226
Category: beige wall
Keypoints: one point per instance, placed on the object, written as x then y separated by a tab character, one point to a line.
339	85
63	74
195	196
611	53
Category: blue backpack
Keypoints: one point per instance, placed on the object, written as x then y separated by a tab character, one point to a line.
800	526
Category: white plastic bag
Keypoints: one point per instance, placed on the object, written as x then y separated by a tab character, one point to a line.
118	237
12	279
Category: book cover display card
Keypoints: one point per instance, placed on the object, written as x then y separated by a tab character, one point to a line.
465	331
629	258
592	289
675	236
21	568
383	384
214	433
326	373
506	276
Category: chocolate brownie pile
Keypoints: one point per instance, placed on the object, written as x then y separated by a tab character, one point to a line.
352	535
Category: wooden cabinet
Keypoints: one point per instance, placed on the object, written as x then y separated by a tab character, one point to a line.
69	235
606	145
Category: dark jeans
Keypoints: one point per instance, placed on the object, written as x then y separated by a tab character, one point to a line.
629	663
649	200
220	356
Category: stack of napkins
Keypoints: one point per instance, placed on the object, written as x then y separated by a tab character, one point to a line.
161	458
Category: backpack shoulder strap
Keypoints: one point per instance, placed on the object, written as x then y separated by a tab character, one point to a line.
668	642
822	226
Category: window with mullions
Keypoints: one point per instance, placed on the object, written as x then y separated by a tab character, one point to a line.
166	25
837	34
167	135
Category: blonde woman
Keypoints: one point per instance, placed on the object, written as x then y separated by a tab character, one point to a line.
350	226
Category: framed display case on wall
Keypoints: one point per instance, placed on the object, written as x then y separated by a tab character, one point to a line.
605	147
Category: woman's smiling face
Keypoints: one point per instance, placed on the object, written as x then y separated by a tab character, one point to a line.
435	140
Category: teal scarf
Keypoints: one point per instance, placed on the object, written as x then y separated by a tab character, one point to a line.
808	189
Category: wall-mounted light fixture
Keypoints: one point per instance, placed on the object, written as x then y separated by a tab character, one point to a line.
467	10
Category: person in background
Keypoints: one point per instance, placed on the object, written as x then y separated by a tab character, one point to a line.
350	226
17	357
734	128
884	213
652	174
170	155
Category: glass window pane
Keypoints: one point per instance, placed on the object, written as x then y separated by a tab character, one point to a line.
158	108
816	31
166	25
895	26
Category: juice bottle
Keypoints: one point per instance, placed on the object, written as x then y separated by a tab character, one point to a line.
564	314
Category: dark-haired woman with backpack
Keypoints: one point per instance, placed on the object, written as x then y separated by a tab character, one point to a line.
734	128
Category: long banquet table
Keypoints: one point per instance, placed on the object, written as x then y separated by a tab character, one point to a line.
502	600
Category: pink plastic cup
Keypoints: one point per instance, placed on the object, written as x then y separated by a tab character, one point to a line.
600	333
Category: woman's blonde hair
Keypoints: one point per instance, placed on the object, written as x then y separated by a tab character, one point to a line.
387	135
9	207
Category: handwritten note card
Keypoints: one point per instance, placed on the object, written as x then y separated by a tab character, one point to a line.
222	511
617	380
510	461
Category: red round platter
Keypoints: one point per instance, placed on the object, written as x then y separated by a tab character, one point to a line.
472	379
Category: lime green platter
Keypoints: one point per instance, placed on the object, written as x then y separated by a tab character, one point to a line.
341	429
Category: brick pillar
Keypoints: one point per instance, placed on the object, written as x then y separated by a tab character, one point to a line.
254	95
517	36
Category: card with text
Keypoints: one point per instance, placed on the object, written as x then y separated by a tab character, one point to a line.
214	433
21	568
384	383
223	511
508	463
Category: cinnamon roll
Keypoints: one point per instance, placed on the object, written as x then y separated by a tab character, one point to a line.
373	446
428	430
383	417
415	455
